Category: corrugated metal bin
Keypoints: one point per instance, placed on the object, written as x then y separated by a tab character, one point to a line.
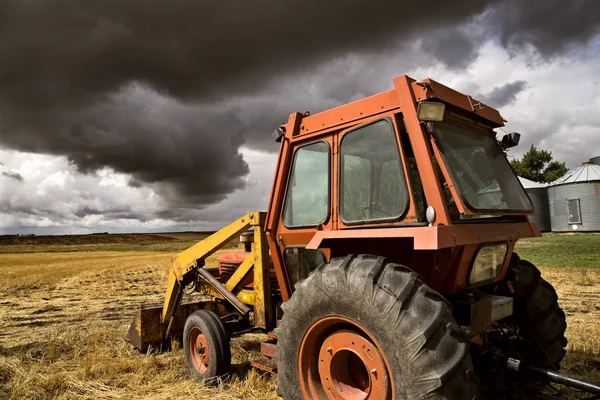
574	199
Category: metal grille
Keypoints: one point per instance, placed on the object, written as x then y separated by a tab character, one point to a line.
573	211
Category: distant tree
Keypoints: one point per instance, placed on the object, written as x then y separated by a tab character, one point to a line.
539	166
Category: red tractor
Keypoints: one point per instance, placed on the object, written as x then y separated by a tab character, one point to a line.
385	265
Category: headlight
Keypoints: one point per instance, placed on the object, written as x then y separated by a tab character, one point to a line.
430	111
488	262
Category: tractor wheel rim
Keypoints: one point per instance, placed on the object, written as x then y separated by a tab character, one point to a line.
199	350
349	363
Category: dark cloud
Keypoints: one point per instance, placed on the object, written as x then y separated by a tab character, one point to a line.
549	26
190	48
190	150
169	91
501	96
111	213
12	175
455	47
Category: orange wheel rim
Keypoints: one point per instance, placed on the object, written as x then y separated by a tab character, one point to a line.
338	359
199	350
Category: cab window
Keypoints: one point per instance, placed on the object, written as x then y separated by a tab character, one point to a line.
372	179
300	262
307	199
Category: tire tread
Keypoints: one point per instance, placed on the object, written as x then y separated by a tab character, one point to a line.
380	292
538	313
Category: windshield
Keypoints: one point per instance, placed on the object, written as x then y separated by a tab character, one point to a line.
479	169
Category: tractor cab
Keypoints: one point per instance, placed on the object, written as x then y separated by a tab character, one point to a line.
398	174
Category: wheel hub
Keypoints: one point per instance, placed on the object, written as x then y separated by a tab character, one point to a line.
199	350
348	365
351	367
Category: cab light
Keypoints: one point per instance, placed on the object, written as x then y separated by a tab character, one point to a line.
431	111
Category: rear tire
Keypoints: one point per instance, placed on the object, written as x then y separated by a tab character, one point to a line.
538	315
411	325
206	346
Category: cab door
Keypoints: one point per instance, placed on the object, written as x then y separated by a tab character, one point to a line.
307	207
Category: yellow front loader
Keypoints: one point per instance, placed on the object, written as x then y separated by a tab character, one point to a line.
155	325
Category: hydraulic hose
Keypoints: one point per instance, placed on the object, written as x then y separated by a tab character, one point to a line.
539	372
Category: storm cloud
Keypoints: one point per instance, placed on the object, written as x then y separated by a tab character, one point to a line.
548	26
168	92
501	96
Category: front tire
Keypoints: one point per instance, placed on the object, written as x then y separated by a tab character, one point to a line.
383	322
206	346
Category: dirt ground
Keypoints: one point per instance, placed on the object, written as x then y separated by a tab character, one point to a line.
63	316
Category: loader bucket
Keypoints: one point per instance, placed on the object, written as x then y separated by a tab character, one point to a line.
145	329
147	332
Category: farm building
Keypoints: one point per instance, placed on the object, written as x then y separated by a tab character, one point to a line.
574	199
538	193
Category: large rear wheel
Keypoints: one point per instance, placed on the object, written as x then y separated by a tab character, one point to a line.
360	327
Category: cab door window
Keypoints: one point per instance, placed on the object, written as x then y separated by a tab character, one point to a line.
307	198
373	187
300	262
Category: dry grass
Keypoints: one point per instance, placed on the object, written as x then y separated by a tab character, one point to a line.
579	296
63	317
62	324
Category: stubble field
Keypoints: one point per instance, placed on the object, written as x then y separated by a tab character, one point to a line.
66	304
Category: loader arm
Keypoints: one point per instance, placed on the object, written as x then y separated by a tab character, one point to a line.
183	263
154	324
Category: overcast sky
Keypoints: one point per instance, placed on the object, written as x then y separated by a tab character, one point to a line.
123	115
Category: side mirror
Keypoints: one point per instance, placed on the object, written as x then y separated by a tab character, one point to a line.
510	140
278	133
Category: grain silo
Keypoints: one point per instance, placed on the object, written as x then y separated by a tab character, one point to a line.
538	193
575	198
